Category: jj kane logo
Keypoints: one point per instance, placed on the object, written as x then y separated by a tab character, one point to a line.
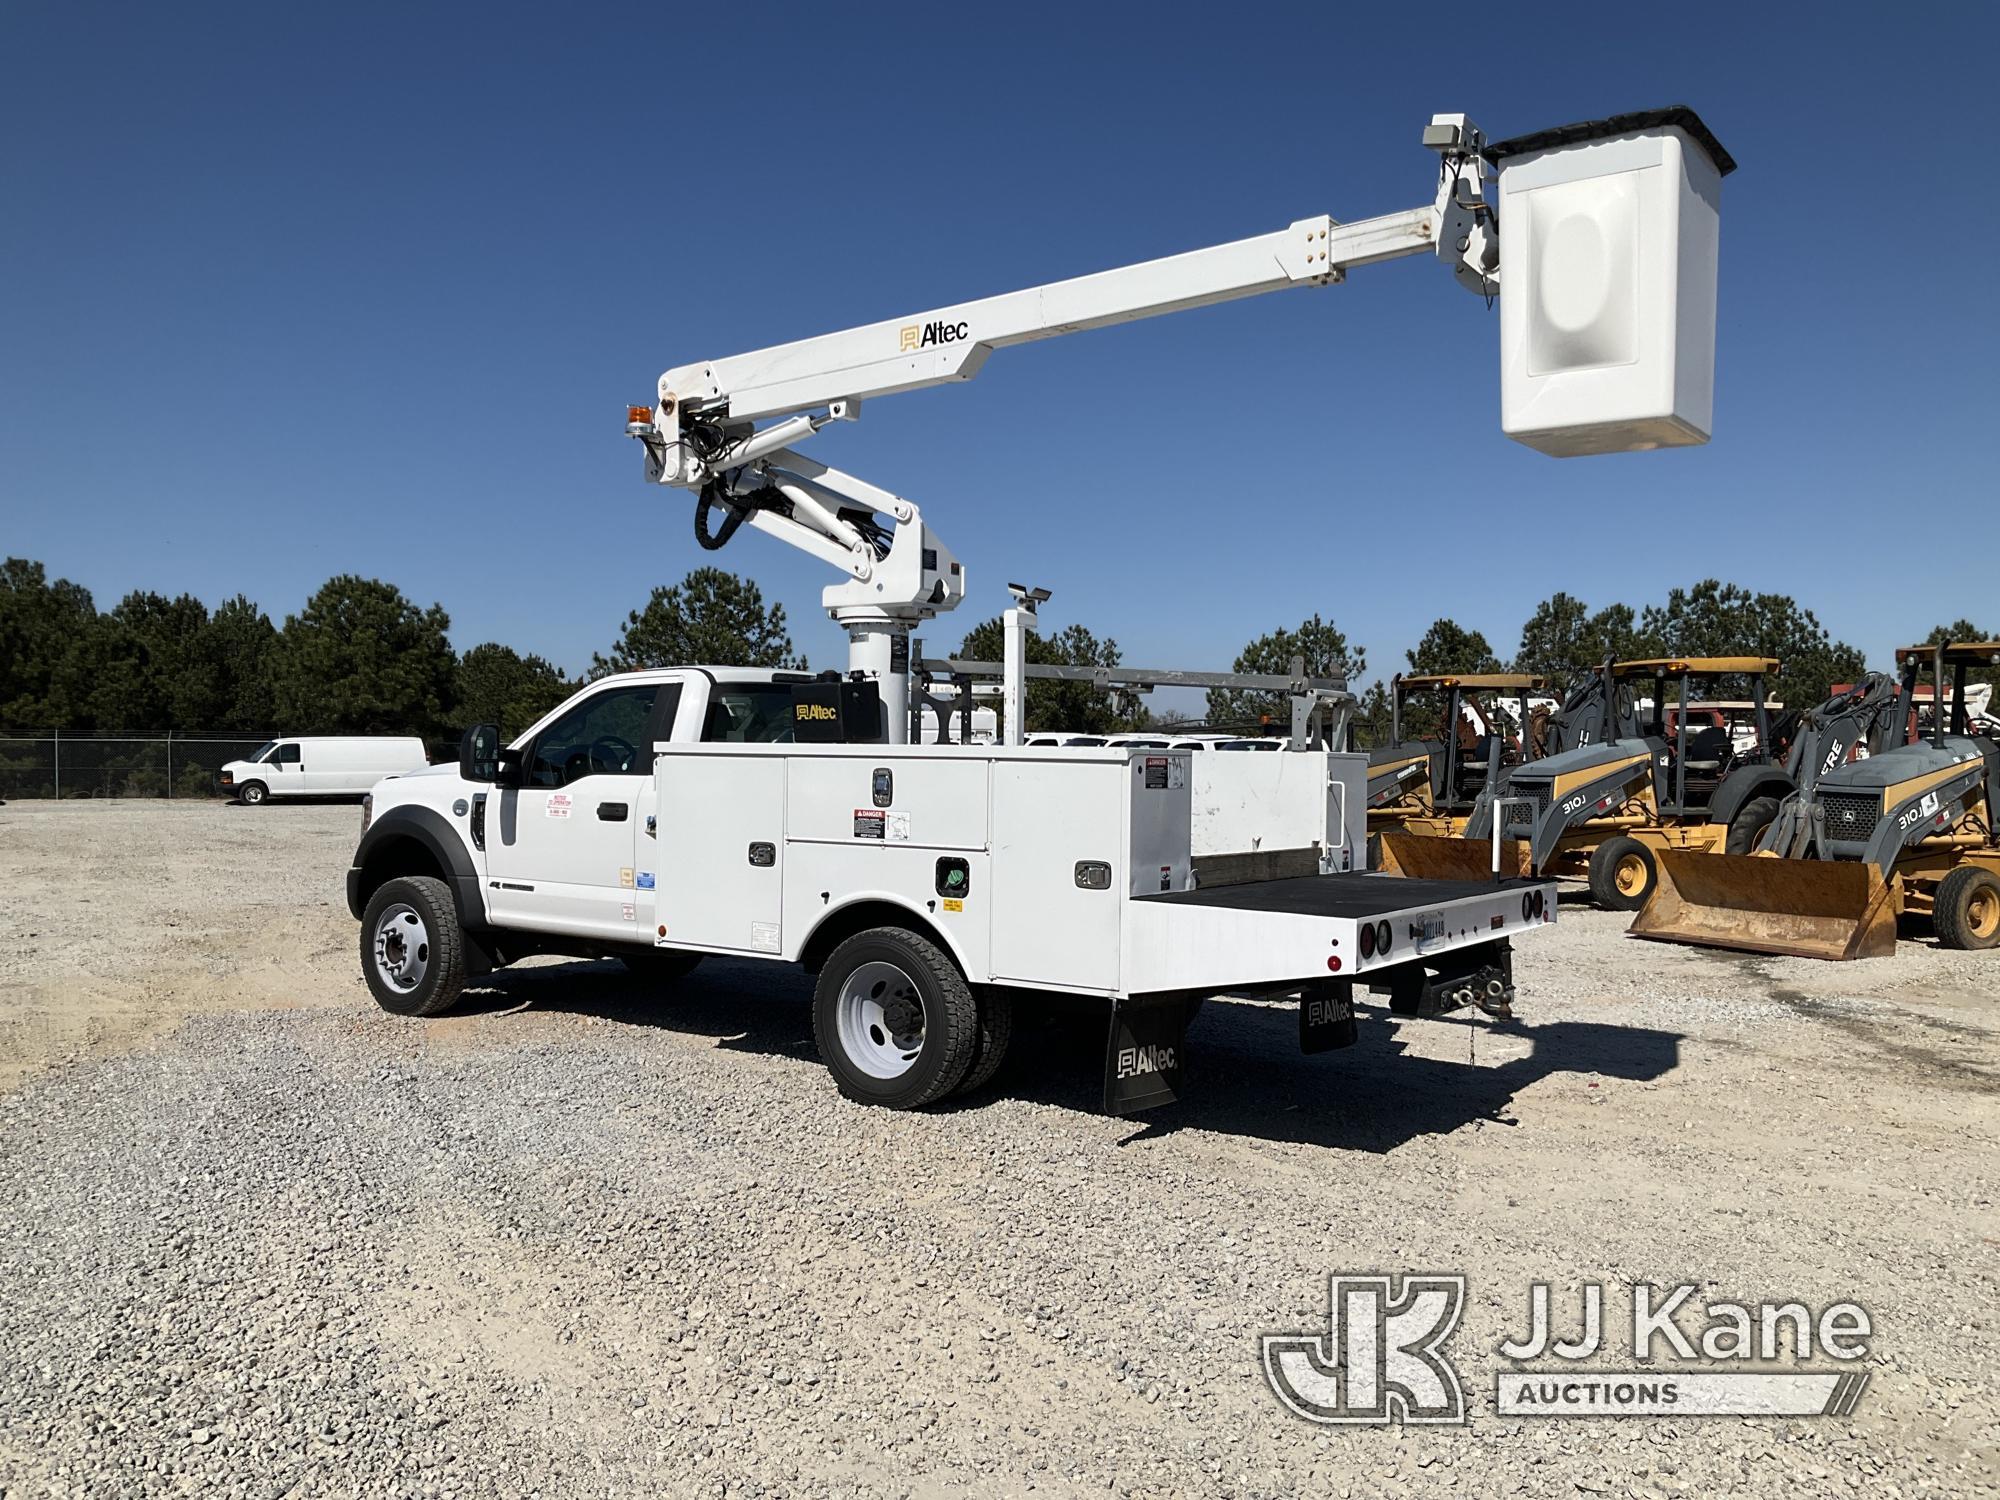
1382	1358
928	335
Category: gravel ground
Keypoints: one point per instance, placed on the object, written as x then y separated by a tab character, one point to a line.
586	1240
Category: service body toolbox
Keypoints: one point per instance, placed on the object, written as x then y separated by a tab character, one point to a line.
1054	869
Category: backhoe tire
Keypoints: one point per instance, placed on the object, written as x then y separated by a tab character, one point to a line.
1748	826
412	953
660	966
1966	909
1623	874
894	1019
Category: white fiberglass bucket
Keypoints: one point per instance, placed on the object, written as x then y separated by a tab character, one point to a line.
1608	236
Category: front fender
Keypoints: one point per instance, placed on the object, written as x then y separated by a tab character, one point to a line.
1742	784
377	855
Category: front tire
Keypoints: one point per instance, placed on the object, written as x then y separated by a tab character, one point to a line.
412	952
1966	908
1748	826
1623	873
253	793
895	1021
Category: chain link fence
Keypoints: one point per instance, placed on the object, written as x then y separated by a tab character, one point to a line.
62	765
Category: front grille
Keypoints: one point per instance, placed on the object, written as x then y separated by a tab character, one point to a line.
1522	815
1850	819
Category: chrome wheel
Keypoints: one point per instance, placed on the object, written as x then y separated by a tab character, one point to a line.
880	1017
402	948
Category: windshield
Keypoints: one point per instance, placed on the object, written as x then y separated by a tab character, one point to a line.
749	713
263	752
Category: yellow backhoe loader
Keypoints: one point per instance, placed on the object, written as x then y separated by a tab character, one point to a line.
1910	830
1428	777
1643	781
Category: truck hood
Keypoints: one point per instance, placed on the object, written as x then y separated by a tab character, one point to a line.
443	768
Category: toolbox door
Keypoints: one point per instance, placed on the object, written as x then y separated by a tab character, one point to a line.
1049	817
718	850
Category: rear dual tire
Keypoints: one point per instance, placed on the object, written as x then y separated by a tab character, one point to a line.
898	1026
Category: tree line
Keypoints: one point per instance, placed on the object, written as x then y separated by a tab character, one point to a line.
358	658
362	658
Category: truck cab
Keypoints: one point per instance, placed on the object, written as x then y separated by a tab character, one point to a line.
561	843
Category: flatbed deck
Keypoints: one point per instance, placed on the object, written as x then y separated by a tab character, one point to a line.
1355	895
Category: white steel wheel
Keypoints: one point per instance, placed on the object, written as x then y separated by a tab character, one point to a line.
252	793
895	1021
412	952
402	949
881	1020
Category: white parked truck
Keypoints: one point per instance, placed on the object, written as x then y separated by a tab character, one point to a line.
661	817
319	765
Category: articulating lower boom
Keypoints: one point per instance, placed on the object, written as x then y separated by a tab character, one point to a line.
703	435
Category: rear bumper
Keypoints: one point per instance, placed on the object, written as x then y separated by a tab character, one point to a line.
1292	931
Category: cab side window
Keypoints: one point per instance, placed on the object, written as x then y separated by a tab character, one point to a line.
604	735
288	755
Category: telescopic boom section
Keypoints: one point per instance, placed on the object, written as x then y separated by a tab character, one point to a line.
704	436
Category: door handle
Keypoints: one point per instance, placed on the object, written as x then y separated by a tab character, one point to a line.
613	812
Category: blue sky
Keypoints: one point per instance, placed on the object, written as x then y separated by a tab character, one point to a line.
290	291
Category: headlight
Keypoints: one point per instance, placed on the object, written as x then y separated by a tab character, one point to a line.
367	810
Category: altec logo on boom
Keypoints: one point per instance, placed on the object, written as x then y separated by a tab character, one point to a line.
925	335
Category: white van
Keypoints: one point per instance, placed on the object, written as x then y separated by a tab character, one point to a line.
321	766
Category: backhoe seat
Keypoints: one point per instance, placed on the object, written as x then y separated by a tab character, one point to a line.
1705	750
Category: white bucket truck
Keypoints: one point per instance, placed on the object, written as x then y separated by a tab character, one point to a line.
662	816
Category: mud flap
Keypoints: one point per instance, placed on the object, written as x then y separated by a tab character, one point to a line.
1811	908
1326	1016
1145	1055
1421	858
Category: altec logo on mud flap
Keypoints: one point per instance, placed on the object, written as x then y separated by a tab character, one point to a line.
1326	1012
1382	1358
925	335
1132	1061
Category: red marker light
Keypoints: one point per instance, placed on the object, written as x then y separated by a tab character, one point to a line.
1333	963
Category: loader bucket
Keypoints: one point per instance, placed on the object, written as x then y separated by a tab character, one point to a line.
1811	908
1423	858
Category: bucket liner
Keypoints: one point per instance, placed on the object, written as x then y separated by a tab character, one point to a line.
1424	858
1810	908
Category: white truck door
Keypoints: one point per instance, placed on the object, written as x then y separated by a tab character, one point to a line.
287	770
562	851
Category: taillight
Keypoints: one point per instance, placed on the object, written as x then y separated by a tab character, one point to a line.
1385	937
1367	940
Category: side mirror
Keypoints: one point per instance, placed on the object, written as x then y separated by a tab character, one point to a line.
479	753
